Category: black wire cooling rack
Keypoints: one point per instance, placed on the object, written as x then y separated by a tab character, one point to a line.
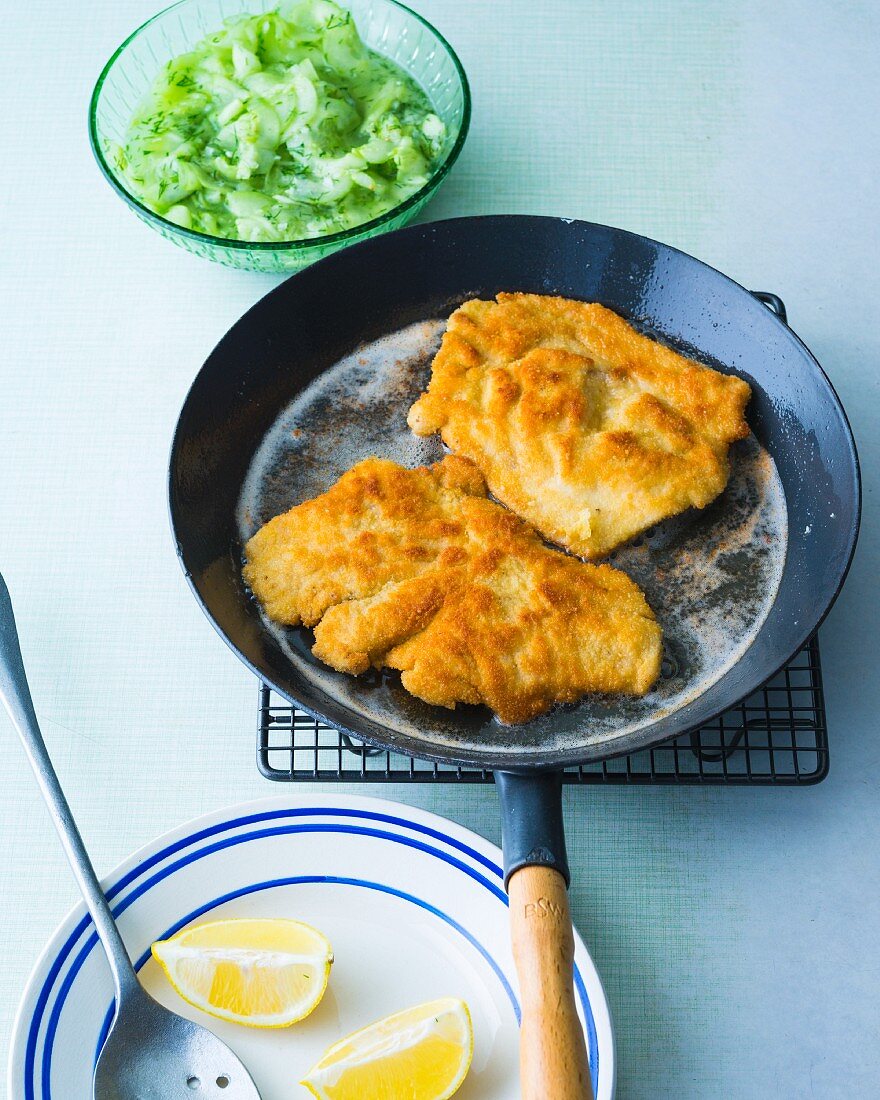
775	737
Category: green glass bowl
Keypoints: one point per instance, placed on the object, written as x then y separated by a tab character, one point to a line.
386	26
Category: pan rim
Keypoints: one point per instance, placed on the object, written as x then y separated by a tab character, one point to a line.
528	760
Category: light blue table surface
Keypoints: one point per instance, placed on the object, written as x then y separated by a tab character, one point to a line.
737	931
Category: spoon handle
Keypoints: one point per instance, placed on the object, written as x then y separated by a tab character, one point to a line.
16	696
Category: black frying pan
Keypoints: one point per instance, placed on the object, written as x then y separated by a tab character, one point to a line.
763	596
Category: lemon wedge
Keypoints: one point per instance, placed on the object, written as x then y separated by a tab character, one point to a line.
261	973
423	1053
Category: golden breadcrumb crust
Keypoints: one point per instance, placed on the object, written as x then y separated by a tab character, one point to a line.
583	426
416	570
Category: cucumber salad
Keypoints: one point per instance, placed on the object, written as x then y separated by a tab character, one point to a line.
279	127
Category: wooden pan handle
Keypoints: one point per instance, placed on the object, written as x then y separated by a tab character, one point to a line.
553	1055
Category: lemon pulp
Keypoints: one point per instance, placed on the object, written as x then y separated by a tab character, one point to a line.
422	1053
259	972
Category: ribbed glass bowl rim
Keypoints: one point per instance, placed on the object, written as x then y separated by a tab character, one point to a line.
301	244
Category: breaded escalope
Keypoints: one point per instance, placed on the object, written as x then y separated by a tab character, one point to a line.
416	570
584	427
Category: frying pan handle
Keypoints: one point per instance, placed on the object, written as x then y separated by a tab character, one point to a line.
773	302
531	822
553	1054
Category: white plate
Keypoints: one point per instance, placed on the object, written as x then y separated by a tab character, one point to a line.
413	905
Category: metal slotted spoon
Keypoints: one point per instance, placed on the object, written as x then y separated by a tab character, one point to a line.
150	1053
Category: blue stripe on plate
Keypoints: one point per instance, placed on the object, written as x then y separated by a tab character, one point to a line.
181	845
